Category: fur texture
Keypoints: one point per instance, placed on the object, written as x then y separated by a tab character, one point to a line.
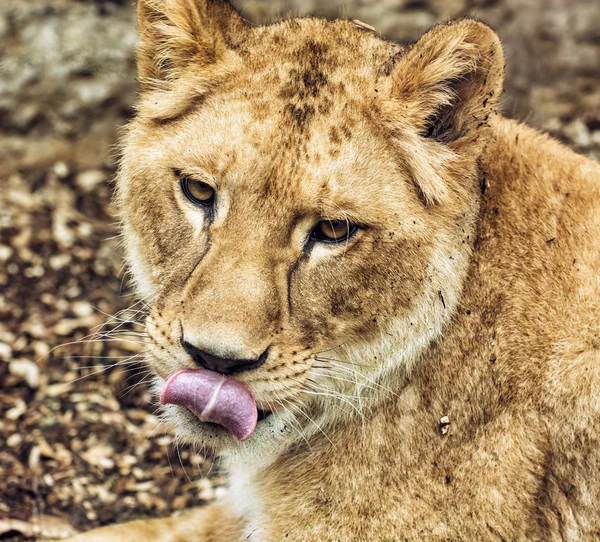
436	375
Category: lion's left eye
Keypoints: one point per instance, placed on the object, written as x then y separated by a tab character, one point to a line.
333	231
197	192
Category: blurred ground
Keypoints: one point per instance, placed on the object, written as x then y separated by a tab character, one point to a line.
80	445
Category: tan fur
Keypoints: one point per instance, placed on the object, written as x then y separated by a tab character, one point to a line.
469	296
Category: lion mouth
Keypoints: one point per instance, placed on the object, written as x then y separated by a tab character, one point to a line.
263	414
214	398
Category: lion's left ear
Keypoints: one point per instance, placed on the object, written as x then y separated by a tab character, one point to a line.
449	80
185	47
441	92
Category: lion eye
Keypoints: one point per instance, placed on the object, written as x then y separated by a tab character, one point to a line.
333	231
197	192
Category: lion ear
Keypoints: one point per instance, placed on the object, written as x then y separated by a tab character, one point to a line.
185	46
450	80
442	91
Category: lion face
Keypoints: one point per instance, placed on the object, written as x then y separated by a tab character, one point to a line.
300	224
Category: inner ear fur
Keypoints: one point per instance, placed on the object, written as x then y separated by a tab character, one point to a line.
443	90
185	47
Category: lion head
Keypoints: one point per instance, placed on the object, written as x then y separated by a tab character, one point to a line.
299	204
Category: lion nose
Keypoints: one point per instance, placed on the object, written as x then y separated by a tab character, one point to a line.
226	366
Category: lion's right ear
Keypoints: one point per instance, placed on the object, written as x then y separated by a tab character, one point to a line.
185	48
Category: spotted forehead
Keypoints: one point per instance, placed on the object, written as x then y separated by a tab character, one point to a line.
310	69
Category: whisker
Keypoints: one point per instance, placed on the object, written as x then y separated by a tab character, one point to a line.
181	463
301	411
88	375
129	389
293	421
330	349
320	358
370	380
333	394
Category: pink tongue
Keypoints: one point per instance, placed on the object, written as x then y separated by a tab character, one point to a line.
213	398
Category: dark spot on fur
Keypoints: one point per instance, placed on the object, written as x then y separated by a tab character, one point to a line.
325	106
302	84
313	50
301	114
337	306
314	81
334	136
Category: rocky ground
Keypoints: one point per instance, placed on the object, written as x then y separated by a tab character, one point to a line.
80	443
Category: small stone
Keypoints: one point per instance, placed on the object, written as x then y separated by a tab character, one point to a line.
5	352
82	309
88	180
40	349
5	253
56	390
27	370
145	499
37	271
45	449
6	336
66	326
578	133
17	411
14	440
61	170
100	456
34	458
59	261
20	343
85	229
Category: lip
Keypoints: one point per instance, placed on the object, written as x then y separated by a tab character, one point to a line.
262	415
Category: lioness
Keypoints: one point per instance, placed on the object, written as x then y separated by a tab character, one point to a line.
373	294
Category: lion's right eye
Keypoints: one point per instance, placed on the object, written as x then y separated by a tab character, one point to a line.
197	192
